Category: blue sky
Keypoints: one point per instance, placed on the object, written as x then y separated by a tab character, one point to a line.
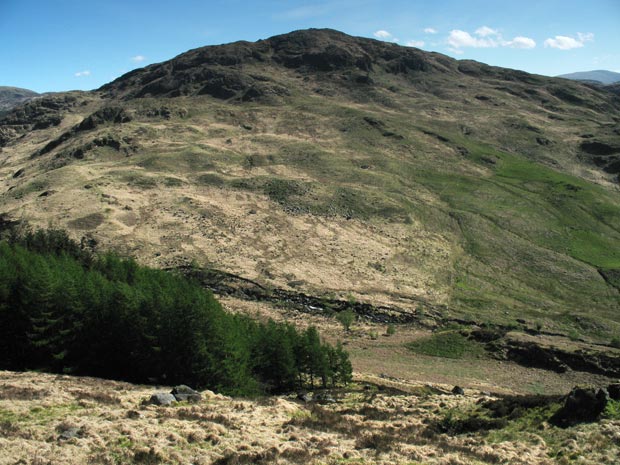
55	45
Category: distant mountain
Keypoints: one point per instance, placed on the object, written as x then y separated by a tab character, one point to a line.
12	96
599	75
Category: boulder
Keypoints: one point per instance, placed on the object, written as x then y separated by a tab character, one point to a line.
324	398
580	406
304	396
68	432
183	393
161	398
458	391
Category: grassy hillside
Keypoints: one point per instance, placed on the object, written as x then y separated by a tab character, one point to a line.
343	166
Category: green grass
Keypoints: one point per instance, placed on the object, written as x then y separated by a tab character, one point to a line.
447	344
612	410
38	415
38	185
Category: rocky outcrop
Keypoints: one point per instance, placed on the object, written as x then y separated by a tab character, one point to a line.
106	115
112	115
599	148
529	352
224	283
602	154
37	114
581	405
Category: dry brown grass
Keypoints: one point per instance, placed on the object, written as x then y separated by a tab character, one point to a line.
366	426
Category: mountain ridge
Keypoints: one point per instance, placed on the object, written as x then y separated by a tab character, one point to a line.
10	97
600	75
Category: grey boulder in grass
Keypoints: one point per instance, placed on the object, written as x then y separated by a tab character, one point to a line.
183	393
161	398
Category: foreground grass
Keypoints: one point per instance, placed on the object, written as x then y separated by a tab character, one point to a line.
369	424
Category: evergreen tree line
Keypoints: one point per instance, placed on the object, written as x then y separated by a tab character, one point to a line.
65	309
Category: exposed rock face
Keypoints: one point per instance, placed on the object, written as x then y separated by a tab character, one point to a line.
581	405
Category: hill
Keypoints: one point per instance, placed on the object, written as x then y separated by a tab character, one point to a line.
345	169
601	76
12	96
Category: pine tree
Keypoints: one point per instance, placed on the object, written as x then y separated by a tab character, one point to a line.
344	370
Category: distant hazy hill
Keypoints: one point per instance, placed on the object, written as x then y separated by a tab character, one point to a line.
600	75
13	96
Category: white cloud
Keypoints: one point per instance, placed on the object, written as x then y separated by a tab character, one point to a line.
381	34
138	59
415	43
569	43
486	31
459	39
486	38
430	30
587	37
82	73
522	42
